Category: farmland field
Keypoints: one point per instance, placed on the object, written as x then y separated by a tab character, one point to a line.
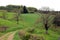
27	21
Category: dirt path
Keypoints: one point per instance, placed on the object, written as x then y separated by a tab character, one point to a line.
11	36
8	36
4	36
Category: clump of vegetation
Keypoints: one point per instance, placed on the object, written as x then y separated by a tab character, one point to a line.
28	36
23	35
31	30
16	36
35	37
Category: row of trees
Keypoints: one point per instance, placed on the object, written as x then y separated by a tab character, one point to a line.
14	8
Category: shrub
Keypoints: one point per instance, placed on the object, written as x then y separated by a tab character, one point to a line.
23	35
28	36
35	37
31	30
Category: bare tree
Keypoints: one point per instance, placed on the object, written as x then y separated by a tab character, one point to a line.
45	22
46	18
46	9
4	14
17	16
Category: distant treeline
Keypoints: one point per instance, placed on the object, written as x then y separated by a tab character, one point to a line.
15	8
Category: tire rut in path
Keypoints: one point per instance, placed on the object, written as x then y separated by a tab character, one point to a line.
11	36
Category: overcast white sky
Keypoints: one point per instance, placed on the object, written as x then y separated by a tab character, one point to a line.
54	4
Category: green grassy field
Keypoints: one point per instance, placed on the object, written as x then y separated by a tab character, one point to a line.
26	22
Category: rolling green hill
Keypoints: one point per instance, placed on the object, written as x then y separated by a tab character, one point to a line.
26	22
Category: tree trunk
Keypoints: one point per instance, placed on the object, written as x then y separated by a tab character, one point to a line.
46	28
